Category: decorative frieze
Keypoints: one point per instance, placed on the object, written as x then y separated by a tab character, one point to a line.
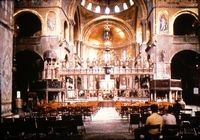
35	3
166	3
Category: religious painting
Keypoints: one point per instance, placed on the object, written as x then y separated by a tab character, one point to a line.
163	22
51	22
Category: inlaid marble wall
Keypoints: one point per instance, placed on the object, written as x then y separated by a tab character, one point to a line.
6	53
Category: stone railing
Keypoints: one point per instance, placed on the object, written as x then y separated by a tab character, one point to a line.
102	71
184	39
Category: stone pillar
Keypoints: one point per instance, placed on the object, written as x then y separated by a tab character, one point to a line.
155	96
170	96
143	30
59	97
88	87
6	53
151	96
71	31
46	96
78	47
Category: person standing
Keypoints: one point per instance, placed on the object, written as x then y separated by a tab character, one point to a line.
177	108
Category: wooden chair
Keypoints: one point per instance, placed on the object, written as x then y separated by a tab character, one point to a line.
43	126
144	118
197	113
186	129
134	120
170	131
149	136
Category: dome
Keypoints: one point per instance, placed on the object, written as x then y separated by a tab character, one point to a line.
107	6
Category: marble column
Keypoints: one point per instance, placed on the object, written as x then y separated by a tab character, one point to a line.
71	31
6	53
143	30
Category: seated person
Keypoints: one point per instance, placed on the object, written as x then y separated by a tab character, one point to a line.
177	108
153	119
168	117
170	127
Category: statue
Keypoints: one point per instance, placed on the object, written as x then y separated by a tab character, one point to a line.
163	55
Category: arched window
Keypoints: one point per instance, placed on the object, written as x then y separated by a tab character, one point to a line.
107	10
117	10
183	24
125	6
131	2
83	2
89	7
23	23
98	9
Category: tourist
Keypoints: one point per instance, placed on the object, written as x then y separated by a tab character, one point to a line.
168	117
153	119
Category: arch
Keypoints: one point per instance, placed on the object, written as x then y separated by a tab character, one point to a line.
33	12
71	9
142	7
179	13
103	19
183	25
185	66
29	68
180	49
25	20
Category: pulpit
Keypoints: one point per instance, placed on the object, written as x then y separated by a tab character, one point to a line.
165	90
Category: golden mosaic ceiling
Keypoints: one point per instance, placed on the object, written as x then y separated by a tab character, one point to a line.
118	38
119	35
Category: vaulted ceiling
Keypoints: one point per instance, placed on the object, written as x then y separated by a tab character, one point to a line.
122	23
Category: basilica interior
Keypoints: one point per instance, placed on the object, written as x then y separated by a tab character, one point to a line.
92	54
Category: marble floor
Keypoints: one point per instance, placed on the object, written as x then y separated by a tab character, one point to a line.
107	124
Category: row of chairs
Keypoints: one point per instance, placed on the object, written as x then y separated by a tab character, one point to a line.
52	112
186	127
169	132
23	127
124	111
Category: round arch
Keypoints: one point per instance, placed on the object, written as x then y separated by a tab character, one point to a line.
24	21
174	17
185	66
33	12
184	12
29	66
180	49
103	19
